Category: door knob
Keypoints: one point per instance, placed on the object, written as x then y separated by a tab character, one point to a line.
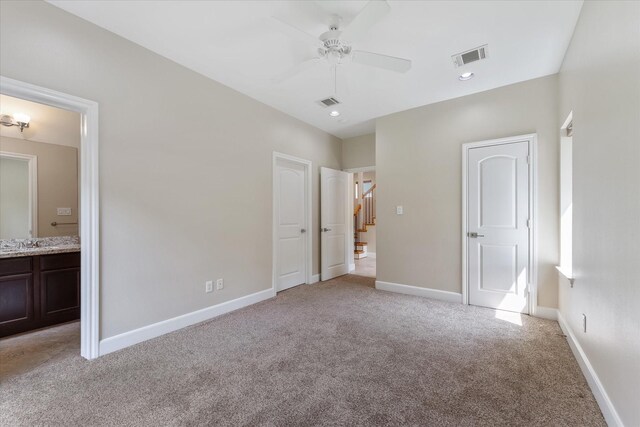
303	230
474	235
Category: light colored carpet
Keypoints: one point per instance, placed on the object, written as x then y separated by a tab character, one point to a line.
336	353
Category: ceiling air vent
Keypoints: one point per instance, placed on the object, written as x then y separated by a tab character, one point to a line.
328	102
470	56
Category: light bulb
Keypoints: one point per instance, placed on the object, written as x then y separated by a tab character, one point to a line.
21	118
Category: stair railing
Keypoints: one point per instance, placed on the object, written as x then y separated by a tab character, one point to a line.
369	207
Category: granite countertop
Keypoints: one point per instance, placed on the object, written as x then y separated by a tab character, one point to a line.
12	248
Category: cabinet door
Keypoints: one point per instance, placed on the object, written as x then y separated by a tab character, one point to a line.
59	295
17	304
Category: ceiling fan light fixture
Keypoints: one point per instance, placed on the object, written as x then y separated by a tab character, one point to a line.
334	113
465	76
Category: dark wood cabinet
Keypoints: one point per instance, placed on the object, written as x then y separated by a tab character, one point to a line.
38	291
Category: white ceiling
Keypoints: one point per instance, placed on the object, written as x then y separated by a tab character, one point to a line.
235	43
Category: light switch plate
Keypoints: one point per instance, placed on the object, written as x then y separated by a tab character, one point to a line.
208	286
219	284
64	211
399	210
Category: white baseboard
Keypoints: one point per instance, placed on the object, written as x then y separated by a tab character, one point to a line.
606	406
352	267
418	291
118	342
546	312
314	279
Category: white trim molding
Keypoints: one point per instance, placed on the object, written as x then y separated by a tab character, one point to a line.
314	279
419	291
127	339
308	173
89	202
532	140
606	405
32	165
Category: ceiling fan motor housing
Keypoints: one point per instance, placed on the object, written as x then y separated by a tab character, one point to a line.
333	46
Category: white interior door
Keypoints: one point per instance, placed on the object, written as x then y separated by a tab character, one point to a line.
291	224
498	229
335	227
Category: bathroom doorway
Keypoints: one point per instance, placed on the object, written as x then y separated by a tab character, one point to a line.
49	275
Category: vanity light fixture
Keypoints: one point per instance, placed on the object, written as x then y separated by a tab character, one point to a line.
334	113
465	76
18	119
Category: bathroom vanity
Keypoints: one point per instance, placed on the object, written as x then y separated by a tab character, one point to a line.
39	287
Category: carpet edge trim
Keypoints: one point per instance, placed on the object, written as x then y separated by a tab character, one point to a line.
136	336
418	291
606	405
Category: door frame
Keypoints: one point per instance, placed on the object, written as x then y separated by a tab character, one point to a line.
89	202
32	162
308	188
532	141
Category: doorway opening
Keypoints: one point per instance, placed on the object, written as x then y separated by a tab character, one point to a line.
364	222
50	273
39	234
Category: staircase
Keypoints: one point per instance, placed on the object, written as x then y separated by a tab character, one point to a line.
364	215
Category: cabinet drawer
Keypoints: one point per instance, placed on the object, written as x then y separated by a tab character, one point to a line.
9	266
58	261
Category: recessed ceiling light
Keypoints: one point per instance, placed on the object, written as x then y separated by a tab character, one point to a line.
334	113
465	76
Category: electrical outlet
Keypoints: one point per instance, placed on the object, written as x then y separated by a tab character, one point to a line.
208	286
584	323
399	210
219	284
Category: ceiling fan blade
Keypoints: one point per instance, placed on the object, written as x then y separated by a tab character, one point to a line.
390	63
296	69
369	16
295	32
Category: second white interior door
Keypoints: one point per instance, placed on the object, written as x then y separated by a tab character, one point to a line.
292	229
335	220
498	226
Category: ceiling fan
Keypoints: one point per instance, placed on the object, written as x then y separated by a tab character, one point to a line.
334	46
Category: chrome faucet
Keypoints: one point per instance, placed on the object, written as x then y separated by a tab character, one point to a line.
29	243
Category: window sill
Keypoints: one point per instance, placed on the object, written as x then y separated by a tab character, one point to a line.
566	274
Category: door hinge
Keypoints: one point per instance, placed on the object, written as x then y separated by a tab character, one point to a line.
528	159
528	223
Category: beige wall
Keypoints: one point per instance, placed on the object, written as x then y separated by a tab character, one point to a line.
600	83
174	209
48	124
57	183
359	151
418	155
